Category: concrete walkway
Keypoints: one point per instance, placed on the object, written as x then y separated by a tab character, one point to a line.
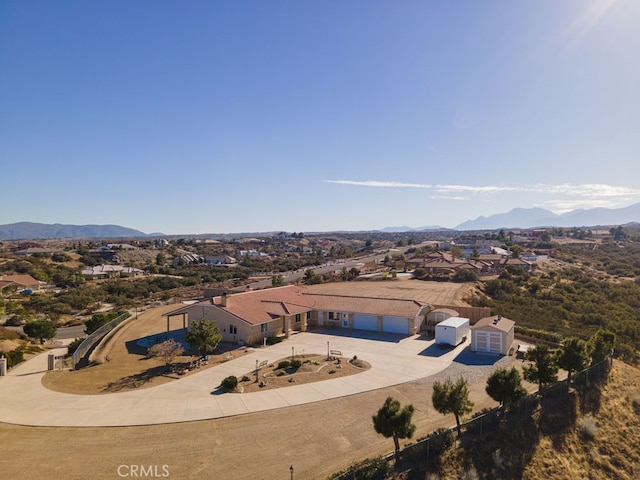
394	360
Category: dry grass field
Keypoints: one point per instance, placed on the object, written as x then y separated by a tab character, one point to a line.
436	293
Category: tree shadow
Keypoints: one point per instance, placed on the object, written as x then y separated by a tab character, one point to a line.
500	452
138	380
590	395
558	417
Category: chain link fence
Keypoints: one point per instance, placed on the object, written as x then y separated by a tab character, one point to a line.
426	451
95	337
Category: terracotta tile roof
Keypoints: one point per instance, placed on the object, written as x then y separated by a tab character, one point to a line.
261	306
496	322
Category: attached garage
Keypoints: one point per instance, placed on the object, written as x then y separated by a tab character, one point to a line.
396	325
493	335
363	321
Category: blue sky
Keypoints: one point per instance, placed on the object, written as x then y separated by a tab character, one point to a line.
194	117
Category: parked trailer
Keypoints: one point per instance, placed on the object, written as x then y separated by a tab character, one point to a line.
452	331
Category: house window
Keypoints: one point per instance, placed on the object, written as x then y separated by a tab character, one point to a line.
298	318
332	316
233	330
264	327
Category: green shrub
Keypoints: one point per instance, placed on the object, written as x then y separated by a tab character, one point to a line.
73	346
13	357
296	364
273	340
282	373
229	384
284	364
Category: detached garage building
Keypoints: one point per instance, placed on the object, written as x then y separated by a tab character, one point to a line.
493	335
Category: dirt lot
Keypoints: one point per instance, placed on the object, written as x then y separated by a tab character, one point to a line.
125	365
437	293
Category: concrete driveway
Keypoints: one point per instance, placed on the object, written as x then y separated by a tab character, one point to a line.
394	359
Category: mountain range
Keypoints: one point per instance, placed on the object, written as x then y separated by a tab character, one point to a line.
539	217
30	230
516	218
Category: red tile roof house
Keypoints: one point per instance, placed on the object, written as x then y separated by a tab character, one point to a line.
250	317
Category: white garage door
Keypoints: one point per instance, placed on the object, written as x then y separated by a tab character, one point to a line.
395	325
365	322
488	342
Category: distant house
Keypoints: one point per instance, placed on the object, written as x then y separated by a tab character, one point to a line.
252	316
110	271
493	335
516	262
441	263
252	254
19	281
221	260
187	259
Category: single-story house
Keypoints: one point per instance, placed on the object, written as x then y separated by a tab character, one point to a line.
493	335
20	281
110	271
249	317
221	260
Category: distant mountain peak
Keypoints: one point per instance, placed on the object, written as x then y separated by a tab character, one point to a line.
32	230
539	217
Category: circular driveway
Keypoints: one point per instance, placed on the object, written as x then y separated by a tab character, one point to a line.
394	359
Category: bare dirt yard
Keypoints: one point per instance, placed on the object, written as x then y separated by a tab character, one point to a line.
437	293
124	365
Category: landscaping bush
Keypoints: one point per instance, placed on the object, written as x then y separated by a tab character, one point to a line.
13	357
229	384
296	364
284	364
73	346
273	340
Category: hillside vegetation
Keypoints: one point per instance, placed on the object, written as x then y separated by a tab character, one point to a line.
591	434
597	286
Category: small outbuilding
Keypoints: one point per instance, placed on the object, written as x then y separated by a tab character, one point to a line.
493	335
452	331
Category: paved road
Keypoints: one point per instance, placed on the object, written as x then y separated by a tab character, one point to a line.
357	262
394	360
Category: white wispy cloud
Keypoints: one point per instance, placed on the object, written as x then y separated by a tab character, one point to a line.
587	190
374	183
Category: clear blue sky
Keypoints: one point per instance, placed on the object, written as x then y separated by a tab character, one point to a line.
194	117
